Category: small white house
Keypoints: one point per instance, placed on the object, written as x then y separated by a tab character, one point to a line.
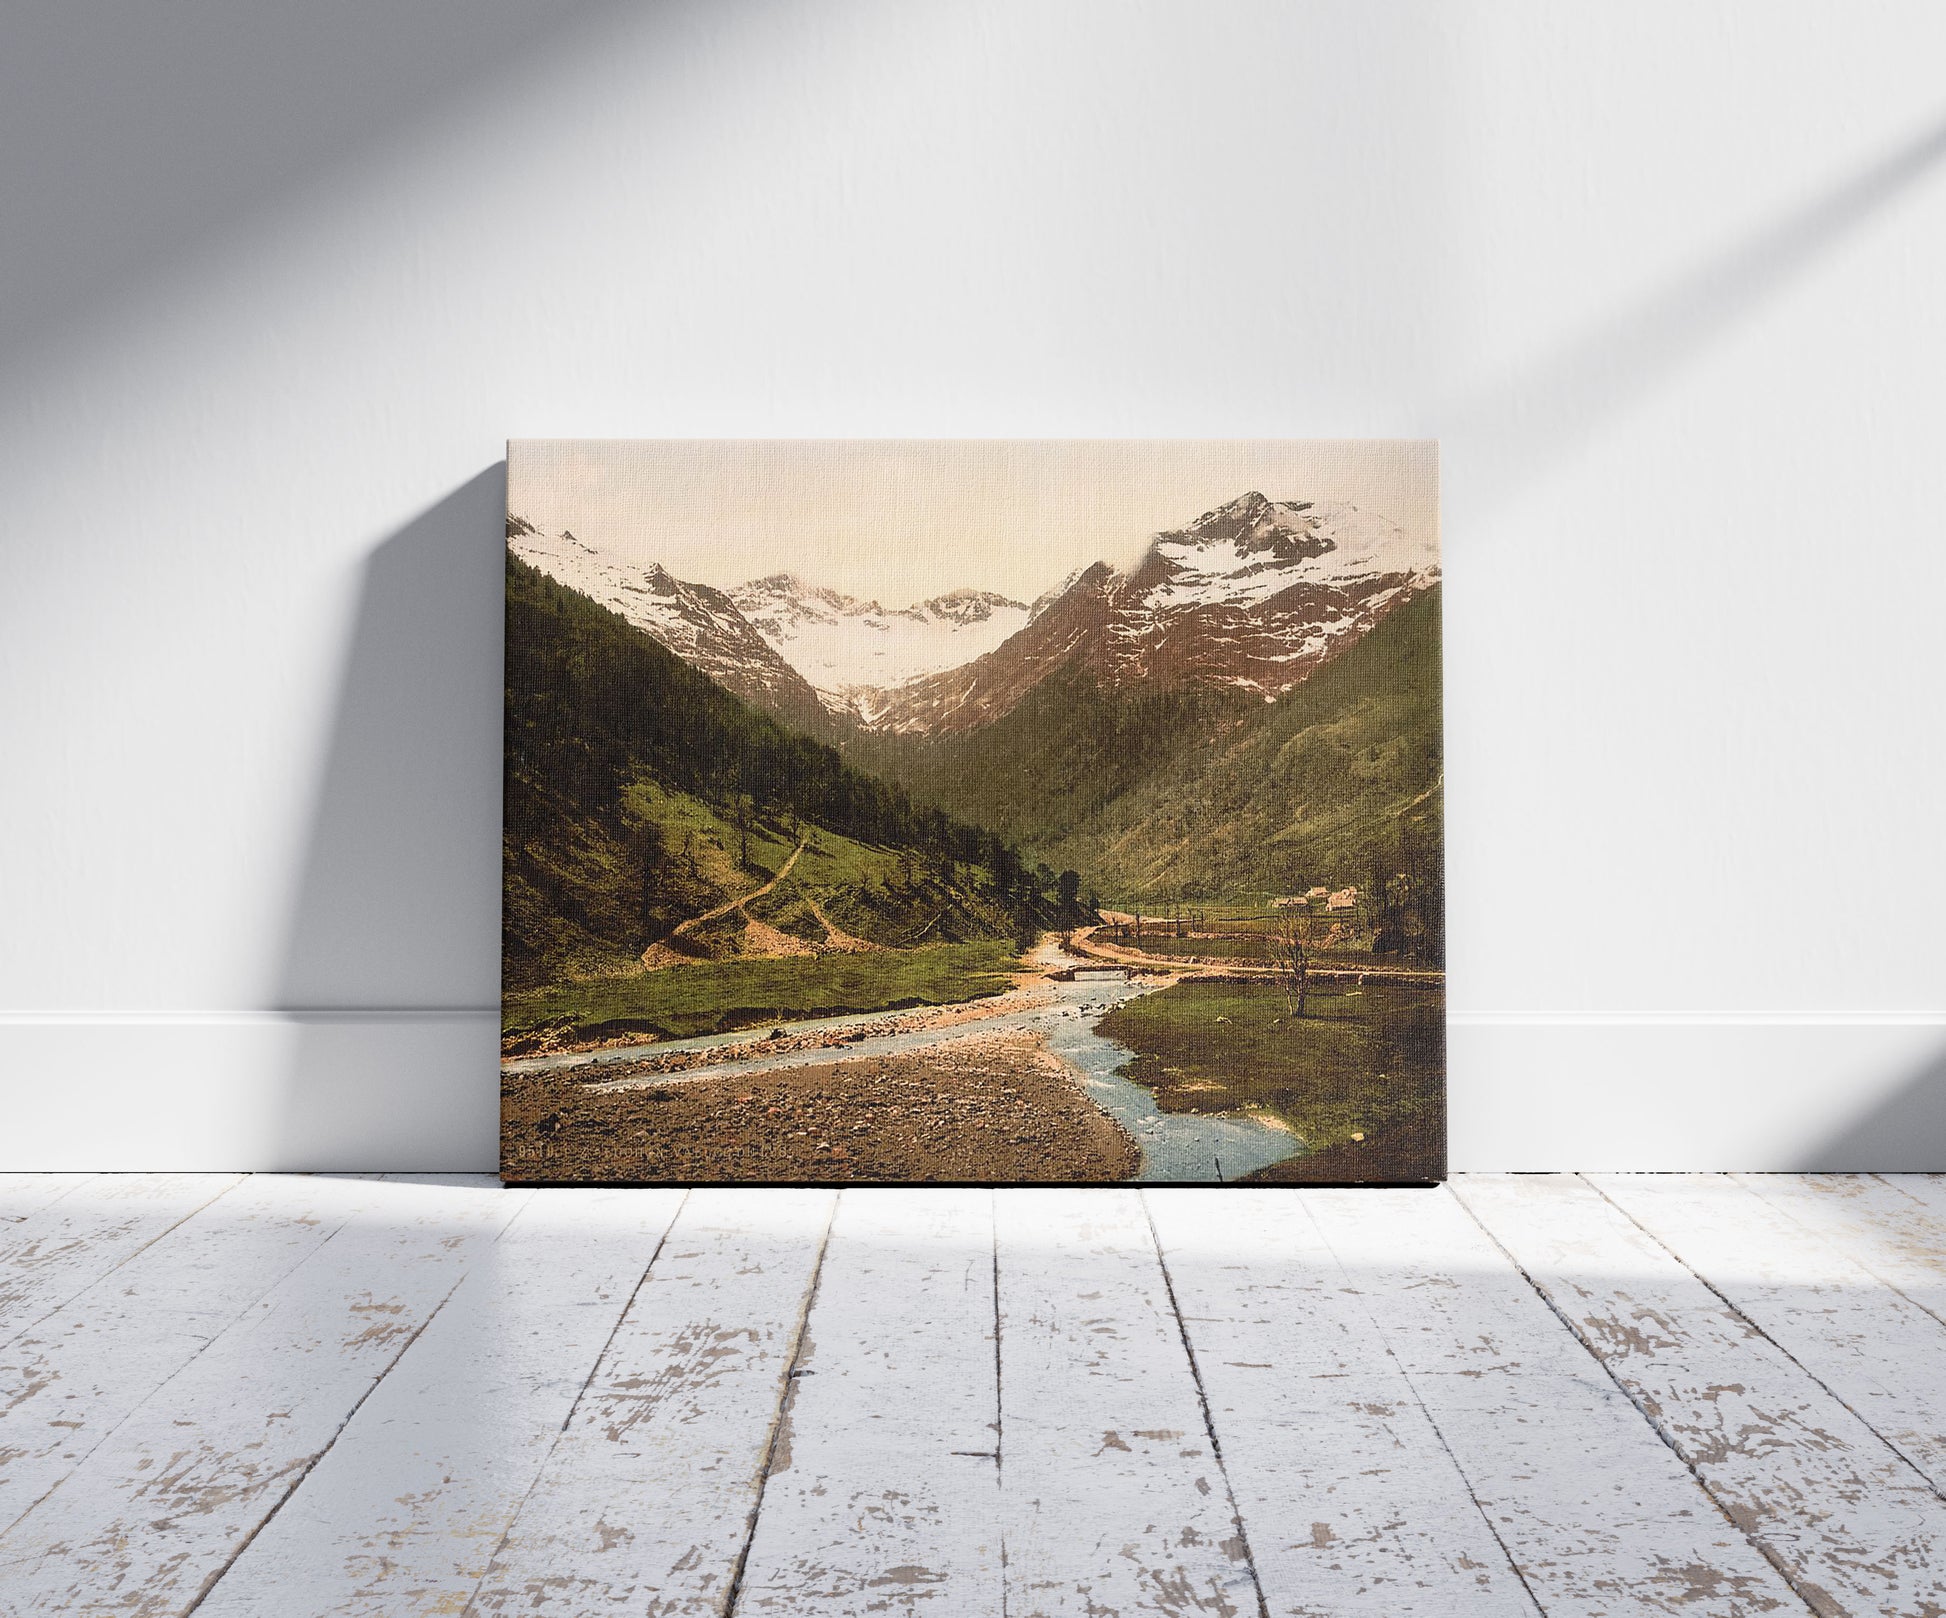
1343	899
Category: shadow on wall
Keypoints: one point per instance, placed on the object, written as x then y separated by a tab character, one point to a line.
1550	409
136	139
391	965
1904	1133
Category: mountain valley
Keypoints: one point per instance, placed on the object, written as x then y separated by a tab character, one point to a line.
1254	705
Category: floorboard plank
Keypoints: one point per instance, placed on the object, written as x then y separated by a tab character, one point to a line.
22	1194
404	1513
1927	1189
63	1247
72	1378
321	1395
884	1495
1894	1224
1112	1495
645	1503
1854	1526
1598	1514
1875	1350
1350	1500
148	1521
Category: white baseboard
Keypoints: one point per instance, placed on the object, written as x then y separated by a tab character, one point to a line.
1698	1093
250	1090
416	1090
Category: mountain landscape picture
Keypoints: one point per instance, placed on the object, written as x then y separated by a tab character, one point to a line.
982	812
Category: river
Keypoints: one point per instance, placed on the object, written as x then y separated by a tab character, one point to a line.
1176	1146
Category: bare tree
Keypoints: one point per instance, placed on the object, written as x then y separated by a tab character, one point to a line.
1292	959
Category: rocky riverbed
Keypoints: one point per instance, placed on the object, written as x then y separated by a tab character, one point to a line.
990	1105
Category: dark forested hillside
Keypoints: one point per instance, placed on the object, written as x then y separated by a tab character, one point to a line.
1055	762
1190	794
639	794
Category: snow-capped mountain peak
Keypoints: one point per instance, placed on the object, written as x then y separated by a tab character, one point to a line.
1253	595
855	651
965	607
1253	549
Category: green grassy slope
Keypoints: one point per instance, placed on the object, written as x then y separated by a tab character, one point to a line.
1159	796
1340	767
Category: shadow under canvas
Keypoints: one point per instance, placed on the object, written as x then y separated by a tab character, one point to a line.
391	964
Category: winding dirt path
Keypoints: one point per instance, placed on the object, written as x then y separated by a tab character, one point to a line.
783	871
836	940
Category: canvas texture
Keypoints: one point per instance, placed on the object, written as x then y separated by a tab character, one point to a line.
973	812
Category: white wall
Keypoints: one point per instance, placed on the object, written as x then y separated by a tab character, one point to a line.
1663	277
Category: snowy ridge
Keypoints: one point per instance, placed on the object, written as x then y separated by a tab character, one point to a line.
1252	595
700	625
856	653
1047	598
1254	549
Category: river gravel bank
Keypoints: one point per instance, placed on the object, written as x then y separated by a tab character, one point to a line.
987	1106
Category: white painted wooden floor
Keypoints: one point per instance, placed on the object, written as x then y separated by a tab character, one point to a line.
1565	1395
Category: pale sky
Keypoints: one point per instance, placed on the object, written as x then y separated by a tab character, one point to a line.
903	520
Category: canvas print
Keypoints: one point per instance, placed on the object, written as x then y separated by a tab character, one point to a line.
982	812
